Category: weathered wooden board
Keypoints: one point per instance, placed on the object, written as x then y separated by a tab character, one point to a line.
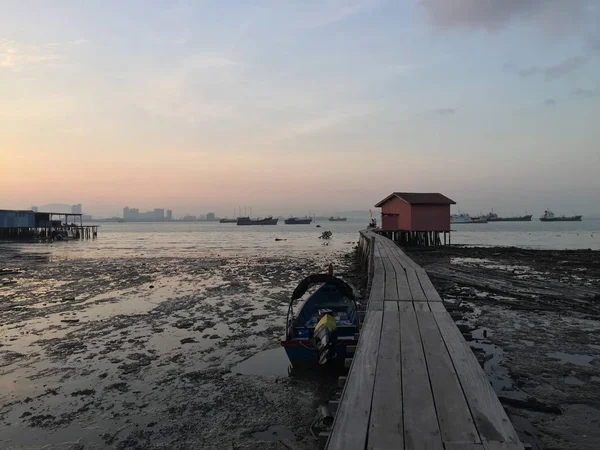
421	306
390	306
405	306
437	306
502	446
427	285
454	417
401	280
416	291
377	291
386	425
352	419
490	418
421	429
391	290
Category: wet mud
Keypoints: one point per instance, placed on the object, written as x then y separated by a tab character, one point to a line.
153	352
532	318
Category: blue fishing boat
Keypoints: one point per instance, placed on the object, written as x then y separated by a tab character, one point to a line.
324	324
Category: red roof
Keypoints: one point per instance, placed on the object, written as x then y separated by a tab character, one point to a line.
418	198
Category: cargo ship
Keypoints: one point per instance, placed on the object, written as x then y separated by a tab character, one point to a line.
248	221
337	219
493	217
550	217
465	218
297	221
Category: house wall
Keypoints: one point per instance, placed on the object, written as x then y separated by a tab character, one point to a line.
430	218
401	215
17	219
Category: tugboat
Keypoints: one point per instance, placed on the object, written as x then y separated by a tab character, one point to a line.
297	221
550	217
249	221
324	324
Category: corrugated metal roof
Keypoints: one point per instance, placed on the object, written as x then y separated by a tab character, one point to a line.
419	198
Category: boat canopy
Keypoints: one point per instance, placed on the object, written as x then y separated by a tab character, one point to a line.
343	287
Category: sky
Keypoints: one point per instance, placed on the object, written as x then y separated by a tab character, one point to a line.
291	107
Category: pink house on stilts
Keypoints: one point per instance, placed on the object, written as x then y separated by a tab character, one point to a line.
415	218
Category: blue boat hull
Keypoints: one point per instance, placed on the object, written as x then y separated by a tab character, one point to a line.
304	352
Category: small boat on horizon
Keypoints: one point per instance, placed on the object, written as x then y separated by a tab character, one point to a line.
227	220
297	221
550	217
337	219
248	221
325	323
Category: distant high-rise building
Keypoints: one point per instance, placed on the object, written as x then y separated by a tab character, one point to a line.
159	214
189	218
34	208
169	214
211	216
77	209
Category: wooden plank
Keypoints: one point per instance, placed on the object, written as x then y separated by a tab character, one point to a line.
402	285
391	291
386	425
401	280
437	306
421	429
377	291
405	306
494	445
416	291
490	418
454	417
427	285
352	419
421	306
390	306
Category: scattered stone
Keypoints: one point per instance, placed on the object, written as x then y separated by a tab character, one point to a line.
188	340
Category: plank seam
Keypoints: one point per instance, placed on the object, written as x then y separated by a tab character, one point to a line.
460	382
374	382
429	377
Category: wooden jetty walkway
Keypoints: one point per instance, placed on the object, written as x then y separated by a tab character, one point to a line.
414	382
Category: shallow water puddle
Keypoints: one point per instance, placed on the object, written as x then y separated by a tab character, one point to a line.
275	433
268	363
573	358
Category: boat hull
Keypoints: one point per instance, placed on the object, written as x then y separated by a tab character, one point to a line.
298	221
561	219
269	221
511	219
304	353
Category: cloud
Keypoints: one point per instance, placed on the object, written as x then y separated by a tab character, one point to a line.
445	111
323	123
15	56
584	93
552	72
553	15
197	90
550	103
